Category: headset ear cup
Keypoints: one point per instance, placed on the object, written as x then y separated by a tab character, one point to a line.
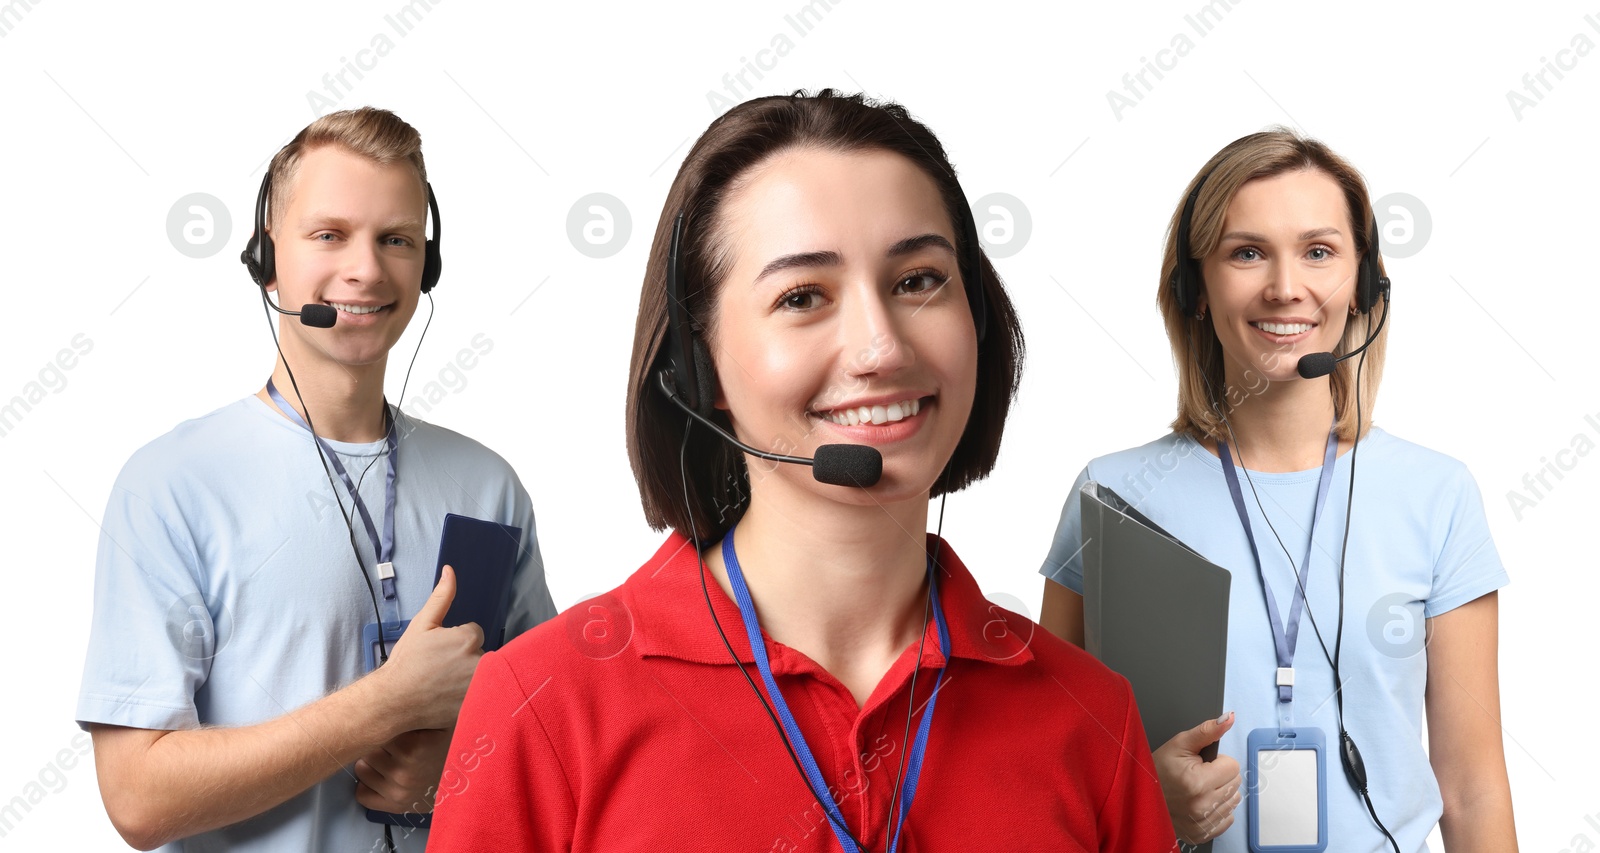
248	258
1365	281
705	379
258	259
1180	297
1370	281
432	266
1186	271
433	261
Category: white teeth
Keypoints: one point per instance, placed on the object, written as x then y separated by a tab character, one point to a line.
357	309
876	414
1283	328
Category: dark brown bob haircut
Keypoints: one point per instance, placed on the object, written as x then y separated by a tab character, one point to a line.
743	137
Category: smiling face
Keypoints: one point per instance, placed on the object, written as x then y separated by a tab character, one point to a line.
843	318
351	236
1282	280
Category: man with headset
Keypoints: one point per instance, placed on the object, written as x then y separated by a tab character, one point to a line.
236	574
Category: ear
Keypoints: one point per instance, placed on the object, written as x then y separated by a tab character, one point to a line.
719	400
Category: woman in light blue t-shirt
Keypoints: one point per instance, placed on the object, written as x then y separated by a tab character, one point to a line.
1270	258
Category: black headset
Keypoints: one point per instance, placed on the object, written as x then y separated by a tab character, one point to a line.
687	363
1371	283
258	254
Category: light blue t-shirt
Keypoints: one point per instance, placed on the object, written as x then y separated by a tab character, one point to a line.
1419	547
226	593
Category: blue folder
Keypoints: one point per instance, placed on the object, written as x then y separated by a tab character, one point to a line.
483	555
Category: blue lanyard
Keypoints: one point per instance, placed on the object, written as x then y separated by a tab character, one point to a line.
758	648
1283	639
383	546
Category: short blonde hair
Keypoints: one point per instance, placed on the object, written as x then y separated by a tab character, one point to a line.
378	135
1195	347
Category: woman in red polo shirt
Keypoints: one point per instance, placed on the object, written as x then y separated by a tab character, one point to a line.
819	673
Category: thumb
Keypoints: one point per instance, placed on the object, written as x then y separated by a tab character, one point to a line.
438	604
1205	734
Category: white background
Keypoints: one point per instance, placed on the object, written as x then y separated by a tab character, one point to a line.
116	111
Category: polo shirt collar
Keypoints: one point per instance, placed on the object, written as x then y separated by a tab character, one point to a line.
670	618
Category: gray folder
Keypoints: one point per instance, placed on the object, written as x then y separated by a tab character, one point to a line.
1154	611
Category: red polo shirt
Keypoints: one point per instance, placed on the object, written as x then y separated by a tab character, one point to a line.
622	725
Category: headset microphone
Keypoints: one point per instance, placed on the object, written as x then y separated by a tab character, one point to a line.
834	464
1322	363
311	314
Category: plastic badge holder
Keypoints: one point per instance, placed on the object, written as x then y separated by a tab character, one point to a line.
369	649
369	640
1288	780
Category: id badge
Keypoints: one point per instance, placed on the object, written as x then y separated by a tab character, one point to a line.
1287	799
369	640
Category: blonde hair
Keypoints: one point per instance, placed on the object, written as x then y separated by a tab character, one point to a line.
378	135
1195	347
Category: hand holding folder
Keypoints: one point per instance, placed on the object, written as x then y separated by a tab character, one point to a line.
482	556
1155	611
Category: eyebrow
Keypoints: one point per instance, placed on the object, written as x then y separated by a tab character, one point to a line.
799	260
810	260
329	220
915	244
1258	238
